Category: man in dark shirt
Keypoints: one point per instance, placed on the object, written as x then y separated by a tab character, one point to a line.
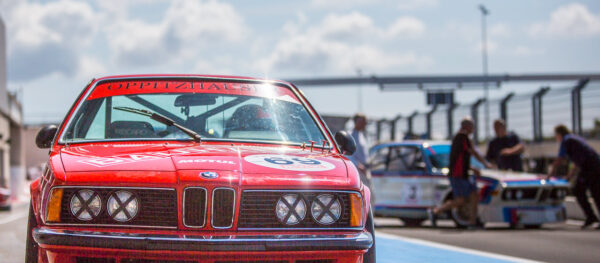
464	188
505	150
586	166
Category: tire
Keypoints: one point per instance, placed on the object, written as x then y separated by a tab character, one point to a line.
31	248
369	257
458	217
412	222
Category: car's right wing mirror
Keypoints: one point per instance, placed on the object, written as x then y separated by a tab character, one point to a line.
346	142
44	138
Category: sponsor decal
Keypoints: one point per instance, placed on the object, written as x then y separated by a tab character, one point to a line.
206	161
123	159
288	162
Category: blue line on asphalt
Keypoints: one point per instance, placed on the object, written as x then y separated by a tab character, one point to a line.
392	250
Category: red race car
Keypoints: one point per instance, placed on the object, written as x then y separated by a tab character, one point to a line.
187	168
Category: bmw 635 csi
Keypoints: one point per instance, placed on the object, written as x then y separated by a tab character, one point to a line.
188	168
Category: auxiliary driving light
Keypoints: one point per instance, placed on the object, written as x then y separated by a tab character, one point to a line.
519	194
290	209
86	205
326	209
122	206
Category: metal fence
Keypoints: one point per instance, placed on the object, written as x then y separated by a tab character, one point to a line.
531	115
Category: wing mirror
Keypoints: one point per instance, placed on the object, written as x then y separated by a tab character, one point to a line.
346	142
44	138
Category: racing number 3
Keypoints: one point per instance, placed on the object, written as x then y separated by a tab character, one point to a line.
285	161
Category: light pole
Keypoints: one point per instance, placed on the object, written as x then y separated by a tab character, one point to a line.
484	13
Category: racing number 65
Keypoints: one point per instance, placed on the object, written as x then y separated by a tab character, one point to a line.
284	161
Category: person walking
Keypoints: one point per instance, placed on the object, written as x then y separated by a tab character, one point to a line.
505	150
464	187
586	167
361	155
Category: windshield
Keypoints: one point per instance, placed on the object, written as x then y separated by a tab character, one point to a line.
216	111
439	156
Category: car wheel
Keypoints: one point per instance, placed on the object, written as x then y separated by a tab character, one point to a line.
412	222
460	216
369	257
31	248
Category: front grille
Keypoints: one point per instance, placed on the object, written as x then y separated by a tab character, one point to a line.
257	210
157	207
194	207
223	205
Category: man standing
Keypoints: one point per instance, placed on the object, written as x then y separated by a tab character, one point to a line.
586	164
360	156
505	150
464	188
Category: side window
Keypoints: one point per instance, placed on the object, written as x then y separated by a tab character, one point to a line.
406	159
379	159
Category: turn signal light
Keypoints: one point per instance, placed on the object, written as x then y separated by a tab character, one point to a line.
356	213
53	214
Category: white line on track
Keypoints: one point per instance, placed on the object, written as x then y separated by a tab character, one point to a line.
13	217
455	248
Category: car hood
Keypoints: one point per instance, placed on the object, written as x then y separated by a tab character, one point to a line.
182	162
520	178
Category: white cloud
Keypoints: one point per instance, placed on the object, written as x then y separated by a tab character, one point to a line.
340	3
408	27
342	43
500	30
416	4
47	38
527	51
569	20
352	26
187	28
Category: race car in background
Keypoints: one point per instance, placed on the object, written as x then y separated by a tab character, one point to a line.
409	177
4	199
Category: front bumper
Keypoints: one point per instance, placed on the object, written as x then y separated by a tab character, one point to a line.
528	215
255	243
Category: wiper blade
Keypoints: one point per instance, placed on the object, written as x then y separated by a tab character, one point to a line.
162	119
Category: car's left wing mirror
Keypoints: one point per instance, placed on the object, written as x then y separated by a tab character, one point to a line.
346	142
44	138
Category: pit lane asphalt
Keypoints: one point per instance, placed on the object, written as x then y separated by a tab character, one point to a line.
552	243
563	242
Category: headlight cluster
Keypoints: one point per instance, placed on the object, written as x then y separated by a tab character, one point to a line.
325	209
514	194
87	204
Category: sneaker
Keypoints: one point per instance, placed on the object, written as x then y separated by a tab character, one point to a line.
588	222
432	217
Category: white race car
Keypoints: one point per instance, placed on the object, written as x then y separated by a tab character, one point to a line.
409	177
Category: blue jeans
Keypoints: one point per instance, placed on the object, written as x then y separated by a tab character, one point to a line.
462	187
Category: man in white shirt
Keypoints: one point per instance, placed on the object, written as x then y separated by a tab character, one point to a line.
361	155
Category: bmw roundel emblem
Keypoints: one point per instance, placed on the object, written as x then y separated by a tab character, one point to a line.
209	175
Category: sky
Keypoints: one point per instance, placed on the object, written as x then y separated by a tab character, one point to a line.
56	47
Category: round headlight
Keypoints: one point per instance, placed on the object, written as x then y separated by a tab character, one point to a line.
290	209
509	194
519	194
86	204
122	206
561	193
326	209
